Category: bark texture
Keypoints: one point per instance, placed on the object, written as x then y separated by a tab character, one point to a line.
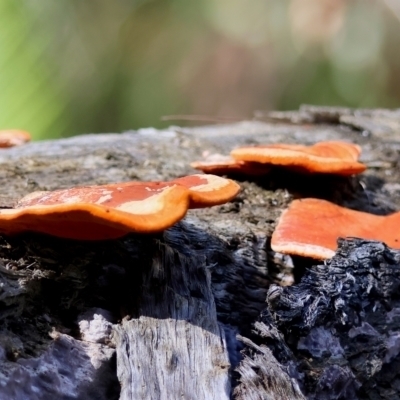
184	314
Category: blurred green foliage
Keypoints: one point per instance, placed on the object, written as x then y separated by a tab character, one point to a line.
69	67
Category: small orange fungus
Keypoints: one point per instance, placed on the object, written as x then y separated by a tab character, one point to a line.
311	227
339	158
13	137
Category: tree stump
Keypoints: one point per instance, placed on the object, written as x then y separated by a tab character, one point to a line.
205	310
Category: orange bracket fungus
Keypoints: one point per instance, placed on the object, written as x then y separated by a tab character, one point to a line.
324	157
13	137
111	211
311	227
208	190
225	165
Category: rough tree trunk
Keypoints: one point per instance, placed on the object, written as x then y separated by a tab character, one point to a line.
204	310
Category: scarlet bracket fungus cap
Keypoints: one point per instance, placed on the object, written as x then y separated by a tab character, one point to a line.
108	211
225	165
98	212
325	157
13	137
311	227
208	190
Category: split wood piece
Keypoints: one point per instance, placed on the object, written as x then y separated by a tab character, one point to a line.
112	211
311	227
188	362
13	137
324	157
225	165
174	348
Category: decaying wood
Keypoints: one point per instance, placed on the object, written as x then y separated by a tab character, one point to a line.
176	348
158	317
263	378
342	322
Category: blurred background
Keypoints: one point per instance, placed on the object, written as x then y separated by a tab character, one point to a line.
69	67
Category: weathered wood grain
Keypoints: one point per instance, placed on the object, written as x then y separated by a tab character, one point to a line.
176	348
262	377
68	309
171	359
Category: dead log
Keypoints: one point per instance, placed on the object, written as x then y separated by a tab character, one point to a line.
157	317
